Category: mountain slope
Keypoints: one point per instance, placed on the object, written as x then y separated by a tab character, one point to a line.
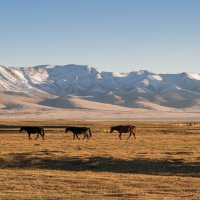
82	86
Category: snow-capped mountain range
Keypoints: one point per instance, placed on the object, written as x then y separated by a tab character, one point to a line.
59	86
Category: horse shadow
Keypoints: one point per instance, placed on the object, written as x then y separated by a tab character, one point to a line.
171	167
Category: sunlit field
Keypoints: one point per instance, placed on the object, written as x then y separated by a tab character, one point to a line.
163	162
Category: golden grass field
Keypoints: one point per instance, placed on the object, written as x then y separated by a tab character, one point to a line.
162	163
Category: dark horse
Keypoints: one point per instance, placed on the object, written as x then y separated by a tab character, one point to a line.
78	131
34	130
124	129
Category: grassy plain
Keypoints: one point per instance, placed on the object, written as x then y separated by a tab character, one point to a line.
162	163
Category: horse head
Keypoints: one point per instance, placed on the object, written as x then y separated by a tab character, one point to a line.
66	130
21	129
111	129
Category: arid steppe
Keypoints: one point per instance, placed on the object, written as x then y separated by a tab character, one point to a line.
163	162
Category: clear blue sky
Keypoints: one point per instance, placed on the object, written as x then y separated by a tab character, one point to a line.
112	35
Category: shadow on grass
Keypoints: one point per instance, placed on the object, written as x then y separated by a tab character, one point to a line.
101	164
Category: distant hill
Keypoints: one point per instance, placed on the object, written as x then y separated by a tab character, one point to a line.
85	87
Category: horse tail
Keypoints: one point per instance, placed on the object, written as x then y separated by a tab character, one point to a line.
90	133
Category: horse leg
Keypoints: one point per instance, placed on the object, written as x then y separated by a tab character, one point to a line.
84	135
42	135
29	136
129	135
134	135
133	132
87	136
37	136
77	136
74	137
120	135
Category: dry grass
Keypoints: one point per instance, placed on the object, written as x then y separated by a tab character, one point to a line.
162	163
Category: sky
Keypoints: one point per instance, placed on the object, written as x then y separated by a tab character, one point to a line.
162	36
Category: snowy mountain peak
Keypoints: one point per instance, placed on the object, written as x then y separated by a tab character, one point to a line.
85	81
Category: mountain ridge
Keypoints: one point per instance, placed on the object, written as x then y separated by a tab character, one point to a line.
59	86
